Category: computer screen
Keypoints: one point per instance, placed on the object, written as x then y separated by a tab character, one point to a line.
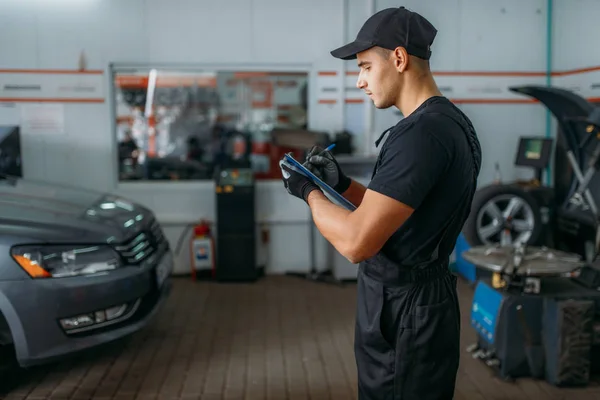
534	152
533	149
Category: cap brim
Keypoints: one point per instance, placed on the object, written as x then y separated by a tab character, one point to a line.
349	51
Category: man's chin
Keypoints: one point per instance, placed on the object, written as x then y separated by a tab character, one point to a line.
381	106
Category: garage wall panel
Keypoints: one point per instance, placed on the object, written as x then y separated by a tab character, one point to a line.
105	30
288	31
575	30
502	35
199	31
356	14
125	32
18	38
87	148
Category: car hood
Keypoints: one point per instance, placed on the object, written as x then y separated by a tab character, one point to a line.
46	212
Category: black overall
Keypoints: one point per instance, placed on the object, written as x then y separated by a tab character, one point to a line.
407	330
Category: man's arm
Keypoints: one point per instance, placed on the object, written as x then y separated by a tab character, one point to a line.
358	234
355	193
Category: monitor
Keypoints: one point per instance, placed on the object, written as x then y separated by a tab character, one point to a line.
534	152
10	151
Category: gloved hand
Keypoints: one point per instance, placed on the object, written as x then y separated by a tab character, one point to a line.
296	184
324	165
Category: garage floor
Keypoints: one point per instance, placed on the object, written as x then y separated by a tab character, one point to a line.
280	338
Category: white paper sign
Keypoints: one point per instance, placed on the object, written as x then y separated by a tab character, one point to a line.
43	119
76	86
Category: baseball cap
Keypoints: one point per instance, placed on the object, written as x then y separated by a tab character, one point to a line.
391	28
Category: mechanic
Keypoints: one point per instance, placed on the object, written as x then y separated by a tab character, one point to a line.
407	220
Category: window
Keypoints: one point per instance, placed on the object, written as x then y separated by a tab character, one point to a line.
182	124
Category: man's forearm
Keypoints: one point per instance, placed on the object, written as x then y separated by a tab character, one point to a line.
333	223
355	193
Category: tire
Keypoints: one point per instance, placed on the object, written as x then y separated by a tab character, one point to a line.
8	360
484	225
5	335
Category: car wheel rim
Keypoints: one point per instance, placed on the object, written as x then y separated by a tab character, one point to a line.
505	214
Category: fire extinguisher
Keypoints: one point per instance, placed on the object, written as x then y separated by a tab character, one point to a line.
202	249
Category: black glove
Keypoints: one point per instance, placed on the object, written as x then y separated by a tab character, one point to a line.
296	184
324	165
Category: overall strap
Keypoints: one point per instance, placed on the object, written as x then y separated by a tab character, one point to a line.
378	141
469	131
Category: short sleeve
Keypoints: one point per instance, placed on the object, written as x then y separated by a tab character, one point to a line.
411	163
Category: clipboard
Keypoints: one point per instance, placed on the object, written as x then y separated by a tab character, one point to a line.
328	190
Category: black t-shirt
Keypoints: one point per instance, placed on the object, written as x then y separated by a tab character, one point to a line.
427	163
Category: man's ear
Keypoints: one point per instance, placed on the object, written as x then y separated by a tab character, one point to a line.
400	59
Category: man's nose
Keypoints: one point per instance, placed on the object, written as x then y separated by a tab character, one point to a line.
360	83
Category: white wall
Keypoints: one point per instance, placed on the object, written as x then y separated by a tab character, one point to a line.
474	36
575	27
573	51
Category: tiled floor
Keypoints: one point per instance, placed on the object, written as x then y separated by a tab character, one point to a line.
279	338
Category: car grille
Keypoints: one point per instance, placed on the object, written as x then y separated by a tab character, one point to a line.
142	245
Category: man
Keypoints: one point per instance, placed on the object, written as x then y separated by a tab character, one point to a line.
407	219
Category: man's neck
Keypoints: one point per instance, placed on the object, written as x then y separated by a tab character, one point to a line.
416	93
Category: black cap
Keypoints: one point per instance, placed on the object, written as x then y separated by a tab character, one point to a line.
391	28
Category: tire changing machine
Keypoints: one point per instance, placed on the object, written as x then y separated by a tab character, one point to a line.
513	210
532	317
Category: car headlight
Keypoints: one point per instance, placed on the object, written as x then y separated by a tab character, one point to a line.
42	261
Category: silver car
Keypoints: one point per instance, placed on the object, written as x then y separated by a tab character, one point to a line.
77	269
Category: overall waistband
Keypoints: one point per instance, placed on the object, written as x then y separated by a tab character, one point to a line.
397	276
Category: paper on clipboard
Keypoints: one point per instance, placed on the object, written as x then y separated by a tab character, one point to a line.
331	194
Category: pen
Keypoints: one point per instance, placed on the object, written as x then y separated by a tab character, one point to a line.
328	148
331	146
